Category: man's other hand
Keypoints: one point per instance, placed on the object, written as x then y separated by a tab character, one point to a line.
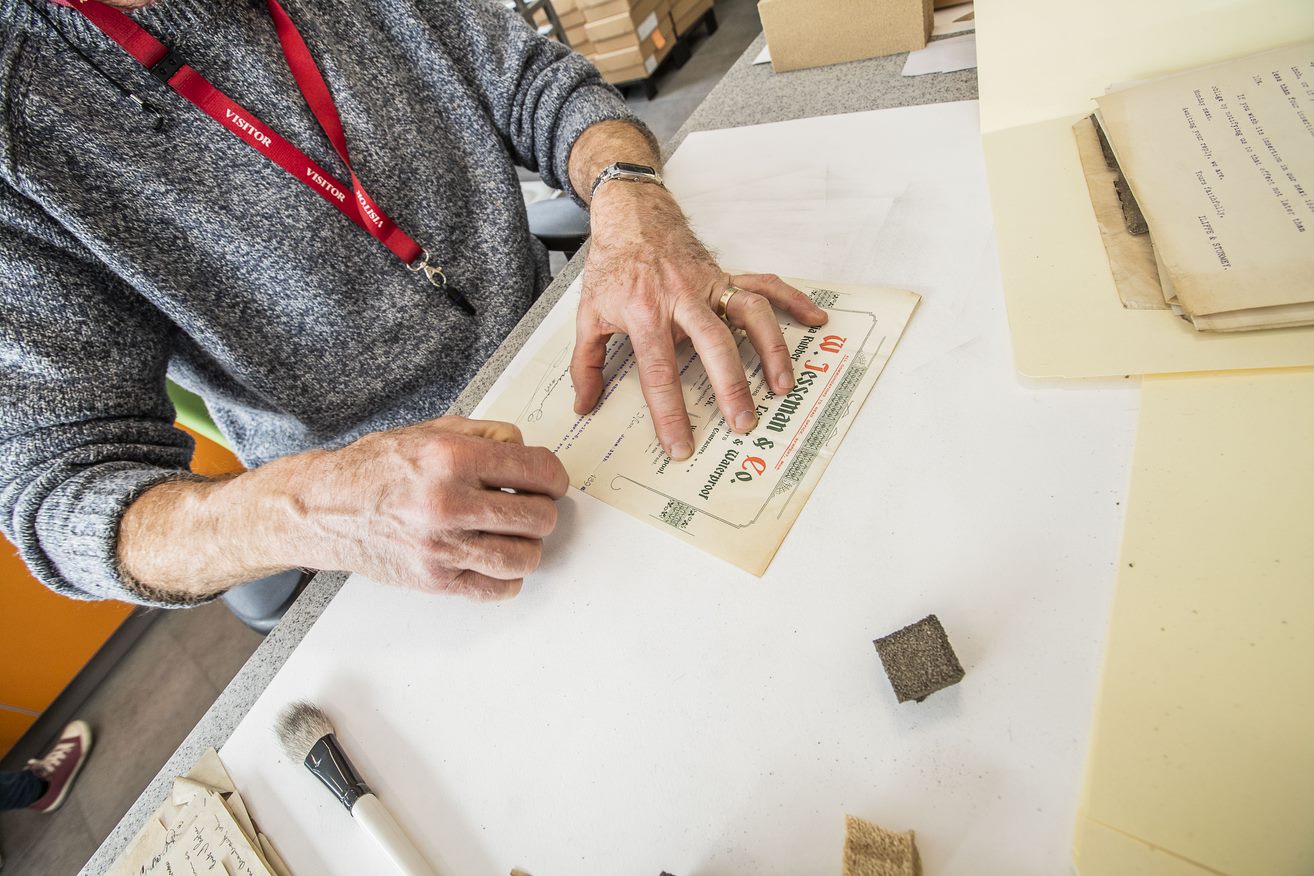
648	276
430	506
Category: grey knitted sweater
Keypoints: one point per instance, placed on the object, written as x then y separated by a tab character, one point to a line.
128	252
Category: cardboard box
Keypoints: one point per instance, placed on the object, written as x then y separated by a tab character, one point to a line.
631	74
616	44
563	6
814	33
637	10
607	9
637	62
687	13
635	39
620	25
572	19
681	8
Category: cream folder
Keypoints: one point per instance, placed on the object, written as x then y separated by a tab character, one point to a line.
1041	65
1202	750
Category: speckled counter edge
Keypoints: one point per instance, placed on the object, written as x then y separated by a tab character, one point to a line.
223	717
747	95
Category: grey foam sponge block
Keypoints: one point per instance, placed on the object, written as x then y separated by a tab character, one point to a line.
919	660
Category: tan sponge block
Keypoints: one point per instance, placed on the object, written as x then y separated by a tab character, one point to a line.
874	851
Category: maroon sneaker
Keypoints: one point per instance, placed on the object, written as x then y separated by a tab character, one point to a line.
61	766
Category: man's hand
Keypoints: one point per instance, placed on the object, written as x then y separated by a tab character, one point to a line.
648	276
426	507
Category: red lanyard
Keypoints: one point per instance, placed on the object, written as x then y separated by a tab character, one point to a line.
357	206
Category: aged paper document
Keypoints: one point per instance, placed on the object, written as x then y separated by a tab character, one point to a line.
738	495
203	828
1221	160
1131	256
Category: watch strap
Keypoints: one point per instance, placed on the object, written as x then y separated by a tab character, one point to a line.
629	172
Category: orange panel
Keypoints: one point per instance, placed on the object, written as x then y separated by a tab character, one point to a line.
46	639
210	459
12	727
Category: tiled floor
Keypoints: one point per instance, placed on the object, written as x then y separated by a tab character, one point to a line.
148	703
163	686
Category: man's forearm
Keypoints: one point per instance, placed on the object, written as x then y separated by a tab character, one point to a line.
425	506
188	540
604	144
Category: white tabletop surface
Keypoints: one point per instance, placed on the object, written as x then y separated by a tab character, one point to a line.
643	706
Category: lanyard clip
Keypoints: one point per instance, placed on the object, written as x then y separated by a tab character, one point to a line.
433	272
438	279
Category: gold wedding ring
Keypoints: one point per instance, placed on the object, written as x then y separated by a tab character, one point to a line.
723	306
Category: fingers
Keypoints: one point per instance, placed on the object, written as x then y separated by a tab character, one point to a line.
586	363
755	315
526	469
654	352
782	295
482	588
494	430
526	515
501	557
725	367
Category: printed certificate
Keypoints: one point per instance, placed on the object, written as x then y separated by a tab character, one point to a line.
738	495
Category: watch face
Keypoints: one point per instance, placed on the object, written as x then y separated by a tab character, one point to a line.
634	168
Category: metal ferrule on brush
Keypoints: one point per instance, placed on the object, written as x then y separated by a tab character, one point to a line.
330	764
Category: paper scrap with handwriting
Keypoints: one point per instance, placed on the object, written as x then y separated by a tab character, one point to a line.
203	828
738	495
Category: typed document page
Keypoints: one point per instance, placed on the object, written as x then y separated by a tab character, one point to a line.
1221	160
738	495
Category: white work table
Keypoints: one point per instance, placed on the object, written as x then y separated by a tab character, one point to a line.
643	706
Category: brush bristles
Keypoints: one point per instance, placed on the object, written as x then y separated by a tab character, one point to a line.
299	727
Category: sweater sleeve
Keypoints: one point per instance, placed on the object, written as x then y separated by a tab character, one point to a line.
85	423
541	95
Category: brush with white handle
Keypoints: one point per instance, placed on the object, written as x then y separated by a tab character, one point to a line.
307	735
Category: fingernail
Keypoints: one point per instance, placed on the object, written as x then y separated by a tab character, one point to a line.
745	421
784	381
682	450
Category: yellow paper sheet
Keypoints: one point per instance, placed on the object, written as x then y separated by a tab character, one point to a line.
1202	750
1041	65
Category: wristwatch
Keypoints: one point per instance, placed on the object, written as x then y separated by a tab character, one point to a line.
629	172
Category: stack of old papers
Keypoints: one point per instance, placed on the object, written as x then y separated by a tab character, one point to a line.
203	827
1203	185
